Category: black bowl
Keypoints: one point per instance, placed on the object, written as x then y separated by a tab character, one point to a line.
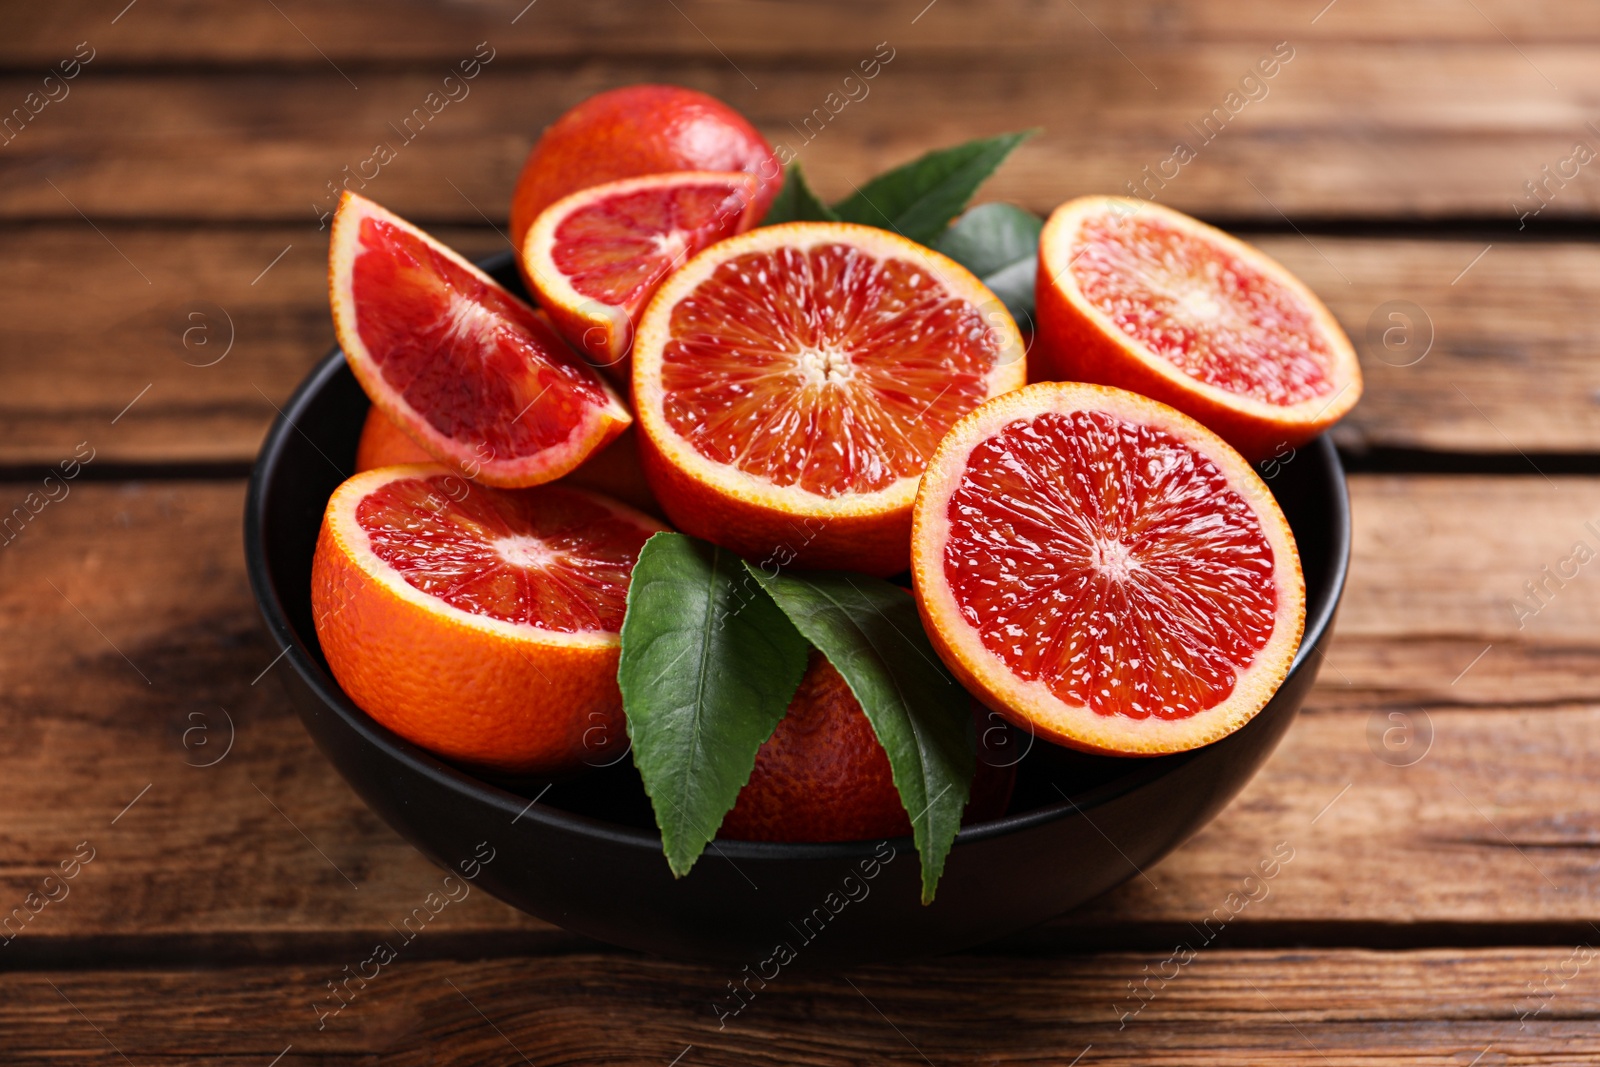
586	855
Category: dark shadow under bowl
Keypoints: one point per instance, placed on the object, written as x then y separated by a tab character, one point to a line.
586	855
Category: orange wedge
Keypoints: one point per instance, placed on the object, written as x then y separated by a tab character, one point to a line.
470	373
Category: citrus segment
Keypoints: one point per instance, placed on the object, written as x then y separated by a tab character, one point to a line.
1137	295
480	624
791	382
1102	569
596	257
477	378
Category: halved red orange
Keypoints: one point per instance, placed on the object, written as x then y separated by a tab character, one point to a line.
470	373
791	382
481	624
1100	568
639	129
1137	295
594	259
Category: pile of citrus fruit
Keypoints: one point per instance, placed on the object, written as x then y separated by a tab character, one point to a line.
717	356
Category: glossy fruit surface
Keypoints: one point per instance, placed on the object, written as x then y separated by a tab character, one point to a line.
823	776
596	257
1103	570
473	375
383	444
481	624
791	382
1139	296
636	130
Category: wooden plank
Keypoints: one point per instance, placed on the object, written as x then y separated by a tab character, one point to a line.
183	31
71	374
1220	1007
1511	366
1343	130
125	624
1462	342
131	660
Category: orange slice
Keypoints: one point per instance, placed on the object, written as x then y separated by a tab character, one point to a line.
790	384
473	375
1139	296
1102	569
596	257
480	624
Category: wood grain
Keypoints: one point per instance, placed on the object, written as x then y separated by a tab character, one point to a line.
353	33
1471	346
1344	130
125	624
1511	365
1434	792
1223	1007
72	371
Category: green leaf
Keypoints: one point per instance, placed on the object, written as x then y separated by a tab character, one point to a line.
1000	244
796	202
709	665
992	237
919	199
869	630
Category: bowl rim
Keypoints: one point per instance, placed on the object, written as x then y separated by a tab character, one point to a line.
470	787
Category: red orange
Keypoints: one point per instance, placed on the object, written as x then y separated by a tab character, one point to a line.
594	258
1140	296
635	130
1103	570
823	776
791	382
472	374
480	624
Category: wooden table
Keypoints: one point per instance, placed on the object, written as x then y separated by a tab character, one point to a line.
162	291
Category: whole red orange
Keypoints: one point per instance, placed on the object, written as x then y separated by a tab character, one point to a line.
636	130
823	776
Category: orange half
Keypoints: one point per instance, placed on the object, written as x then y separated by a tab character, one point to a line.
790	384
595	258
1140	296
1105	571
481	624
